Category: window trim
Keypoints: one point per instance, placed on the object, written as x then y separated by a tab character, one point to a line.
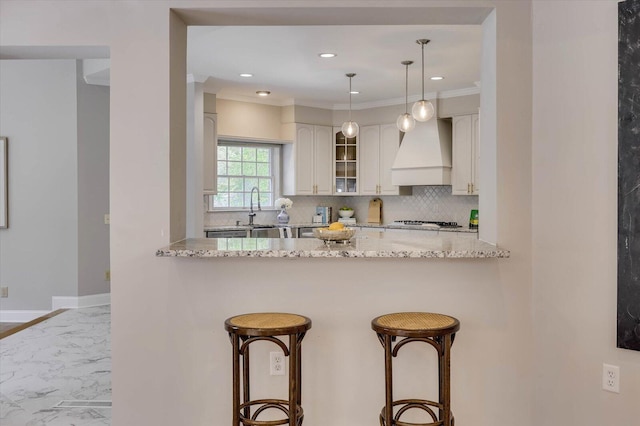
276	171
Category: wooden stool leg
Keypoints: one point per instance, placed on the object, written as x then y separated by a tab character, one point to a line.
245	382
293	377
388	382
446	380
235	343
299	369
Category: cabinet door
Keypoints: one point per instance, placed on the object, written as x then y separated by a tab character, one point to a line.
389	144
345	164
461	170
369	160
323	146
210	154
304	148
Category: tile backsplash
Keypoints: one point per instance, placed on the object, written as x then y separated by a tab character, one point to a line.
427	203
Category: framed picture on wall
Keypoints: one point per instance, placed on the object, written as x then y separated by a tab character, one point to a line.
4	184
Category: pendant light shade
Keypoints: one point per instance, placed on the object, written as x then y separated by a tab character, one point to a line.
405	121
350	128
423	109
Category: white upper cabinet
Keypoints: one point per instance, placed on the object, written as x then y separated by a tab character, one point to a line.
307	161
370	160
464	171
210	153
323	141
378	147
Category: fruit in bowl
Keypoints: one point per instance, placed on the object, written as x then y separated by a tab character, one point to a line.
335	232
345	212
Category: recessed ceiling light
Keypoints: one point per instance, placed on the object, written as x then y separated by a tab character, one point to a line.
263	93
246	74
327	55
354	92
437	77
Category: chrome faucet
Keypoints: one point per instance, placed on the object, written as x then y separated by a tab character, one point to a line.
251	212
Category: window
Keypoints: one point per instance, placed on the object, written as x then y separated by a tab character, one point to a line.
241	167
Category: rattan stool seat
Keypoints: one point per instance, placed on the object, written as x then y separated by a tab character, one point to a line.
415	324
267	324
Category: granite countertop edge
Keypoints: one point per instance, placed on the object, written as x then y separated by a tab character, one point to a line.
426	248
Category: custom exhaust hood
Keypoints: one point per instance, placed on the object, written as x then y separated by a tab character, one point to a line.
424	157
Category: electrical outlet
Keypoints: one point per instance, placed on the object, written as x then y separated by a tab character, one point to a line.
107	219
611	378
107	275
276	363
4	291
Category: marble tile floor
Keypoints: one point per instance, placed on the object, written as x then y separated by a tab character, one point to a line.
67	357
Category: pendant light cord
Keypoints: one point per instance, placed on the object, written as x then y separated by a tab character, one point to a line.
406	89
422	70
350	98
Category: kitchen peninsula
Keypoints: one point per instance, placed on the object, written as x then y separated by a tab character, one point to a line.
378	245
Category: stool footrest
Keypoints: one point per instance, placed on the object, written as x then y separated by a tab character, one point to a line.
421	404
266	404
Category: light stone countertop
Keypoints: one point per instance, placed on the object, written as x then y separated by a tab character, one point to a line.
372	245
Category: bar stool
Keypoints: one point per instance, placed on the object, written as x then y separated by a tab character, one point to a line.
248	328
436	330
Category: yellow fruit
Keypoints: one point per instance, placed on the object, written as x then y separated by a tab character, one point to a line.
336	226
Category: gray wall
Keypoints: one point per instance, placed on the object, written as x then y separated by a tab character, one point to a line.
93	186
38	252
58	128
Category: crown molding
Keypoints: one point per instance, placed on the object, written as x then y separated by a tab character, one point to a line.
196	78
97	81
359	106
256	100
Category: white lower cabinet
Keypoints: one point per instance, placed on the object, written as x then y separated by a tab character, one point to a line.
308	163
466	155
378	147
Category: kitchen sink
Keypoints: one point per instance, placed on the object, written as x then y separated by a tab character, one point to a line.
269	231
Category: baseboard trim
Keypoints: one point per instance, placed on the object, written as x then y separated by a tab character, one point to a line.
63	302
57	302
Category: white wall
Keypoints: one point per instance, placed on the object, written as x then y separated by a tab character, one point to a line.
575	217
93	187
38	252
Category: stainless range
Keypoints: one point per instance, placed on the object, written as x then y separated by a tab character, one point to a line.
427	223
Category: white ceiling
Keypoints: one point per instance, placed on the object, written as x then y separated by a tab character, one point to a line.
284	60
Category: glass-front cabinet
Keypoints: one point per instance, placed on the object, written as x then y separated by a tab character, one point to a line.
345	164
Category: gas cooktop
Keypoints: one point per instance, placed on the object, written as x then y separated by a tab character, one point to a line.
425	222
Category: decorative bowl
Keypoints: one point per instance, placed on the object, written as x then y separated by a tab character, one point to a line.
345	213
330	235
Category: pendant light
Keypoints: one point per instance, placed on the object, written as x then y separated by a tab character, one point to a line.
350	128
423	109
405	121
